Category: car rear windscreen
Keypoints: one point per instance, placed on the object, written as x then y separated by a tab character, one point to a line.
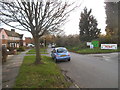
61	50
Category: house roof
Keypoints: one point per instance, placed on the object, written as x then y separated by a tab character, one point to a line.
12	33
1	29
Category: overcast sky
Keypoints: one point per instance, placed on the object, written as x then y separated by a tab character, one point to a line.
98	10
71	27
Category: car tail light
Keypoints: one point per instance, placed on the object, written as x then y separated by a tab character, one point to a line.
57	55
68	54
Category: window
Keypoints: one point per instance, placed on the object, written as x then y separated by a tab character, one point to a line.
4	45
61	50
3	36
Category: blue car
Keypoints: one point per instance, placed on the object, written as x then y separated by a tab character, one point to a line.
60	53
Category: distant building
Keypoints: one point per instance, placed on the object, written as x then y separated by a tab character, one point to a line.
28	40
10	38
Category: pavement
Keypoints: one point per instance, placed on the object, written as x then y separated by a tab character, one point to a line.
10	69
92	70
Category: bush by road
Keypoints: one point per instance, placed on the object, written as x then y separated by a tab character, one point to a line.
91	51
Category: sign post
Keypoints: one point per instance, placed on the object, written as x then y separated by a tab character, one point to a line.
89	43
108	46
91	46
95	43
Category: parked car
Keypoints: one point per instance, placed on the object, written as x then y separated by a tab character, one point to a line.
60	53
30	45
53	46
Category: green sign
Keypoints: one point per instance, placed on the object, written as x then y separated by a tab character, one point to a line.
95	43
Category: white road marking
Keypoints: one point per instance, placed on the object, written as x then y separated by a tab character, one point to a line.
106	58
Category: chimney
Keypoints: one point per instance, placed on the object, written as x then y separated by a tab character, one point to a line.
13	30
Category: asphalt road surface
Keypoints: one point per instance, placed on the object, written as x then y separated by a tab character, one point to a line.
92	70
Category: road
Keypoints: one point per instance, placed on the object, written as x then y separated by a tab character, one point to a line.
92	70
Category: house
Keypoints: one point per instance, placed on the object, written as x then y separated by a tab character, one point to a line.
28	40
10	38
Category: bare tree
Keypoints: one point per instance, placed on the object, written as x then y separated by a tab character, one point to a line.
36	17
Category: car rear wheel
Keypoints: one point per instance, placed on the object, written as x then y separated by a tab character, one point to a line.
68	59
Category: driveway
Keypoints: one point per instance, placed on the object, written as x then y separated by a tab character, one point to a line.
92	70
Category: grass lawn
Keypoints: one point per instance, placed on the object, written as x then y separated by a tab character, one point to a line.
42	51
47	75
18	53
93	51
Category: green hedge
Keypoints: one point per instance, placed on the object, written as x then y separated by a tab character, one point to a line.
21	49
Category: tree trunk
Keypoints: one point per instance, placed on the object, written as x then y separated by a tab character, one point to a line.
37	48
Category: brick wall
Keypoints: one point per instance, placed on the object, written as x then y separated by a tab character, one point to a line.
28	40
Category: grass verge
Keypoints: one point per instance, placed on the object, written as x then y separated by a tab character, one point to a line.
18	53
42	51
47	75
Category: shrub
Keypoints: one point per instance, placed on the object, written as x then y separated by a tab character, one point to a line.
4	54
21	49
77	47
82	45
108	40
11	48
